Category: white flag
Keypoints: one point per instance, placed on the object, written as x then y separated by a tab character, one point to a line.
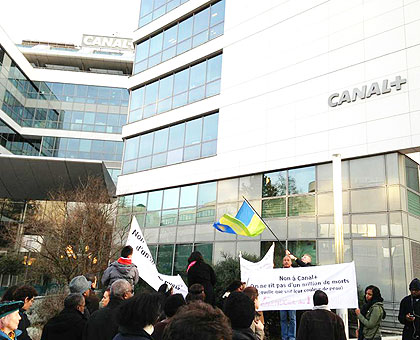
247	266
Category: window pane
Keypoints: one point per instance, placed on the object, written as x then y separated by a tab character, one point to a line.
193	132
201	20
187	216
182	252
369	225
192	152
155	200
208	149
412	174
302	205
302	228
197	75
169	38
137	97
175	156
169	217
139	202
207	193
159	160
166	87
161	141
368	200
181	81
151	93
165	258
176	136
206	214
206	249
302	180
274	184
146	144
227	190
156	44
214	68
217	13
188	196
210	127
367	172
142	50
274	208
146	7
144	163
170	198
185	29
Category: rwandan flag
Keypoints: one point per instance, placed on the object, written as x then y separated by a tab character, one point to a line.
246	222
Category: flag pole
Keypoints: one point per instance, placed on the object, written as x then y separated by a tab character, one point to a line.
262	220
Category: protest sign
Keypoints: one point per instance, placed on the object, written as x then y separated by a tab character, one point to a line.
293	288
247	266
143	259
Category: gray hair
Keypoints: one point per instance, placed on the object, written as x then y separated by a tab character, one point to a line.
73	300
120	287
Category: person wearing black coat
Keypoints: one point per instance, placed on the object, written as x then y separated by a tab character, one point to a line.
200	272
409	314
69	324
102	324
26	294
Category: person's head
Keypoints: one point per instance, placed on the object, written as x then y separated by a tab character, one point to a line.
320	298
172	304
92	278
373	294
140	311
8	294
121	289
240	309
105	298
81	285
195	292
195	256
306	258
9	315
415	287
235	286
198	320
75	301
127	252
166	290
287	261
252	293
26	294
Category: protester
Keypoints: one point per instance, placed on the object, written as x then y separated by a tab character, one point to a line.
165	290
92	301
196	293
102	325
288	317
9	319
320	323
240	309
371	314
170	307
70	323
200	272
81	285
304	261
105	298
410	311
198	321
137	316
26	294
234	286
8	294
123	268
258	325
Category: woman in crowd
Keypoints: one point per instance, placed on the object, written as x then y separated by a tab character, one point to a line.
200	272
137	316
195	293
258	325
371	314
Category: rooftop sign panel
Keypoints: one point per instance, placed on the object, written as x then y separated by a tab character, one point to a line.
114	43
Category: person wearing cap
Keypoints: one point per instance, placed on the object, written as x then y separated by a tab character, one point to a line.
26	294
320	323
409	314
9	319
69	323
81	285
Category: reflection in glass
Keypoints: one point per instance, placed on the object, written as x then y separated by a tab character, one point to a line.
155	200
274	184
165	259
301	181
274	208
301	205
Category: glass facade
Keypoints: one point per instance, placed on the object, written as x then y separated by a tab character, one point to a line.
60	106
381	225
184	35
153	9
194	83
16	144
191	140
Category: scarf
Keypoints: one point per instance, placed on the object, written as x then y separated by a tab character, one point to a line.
322	307
124	260
190	265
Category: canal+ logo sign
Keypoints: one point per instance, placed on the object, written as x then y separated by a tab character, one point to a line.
337	99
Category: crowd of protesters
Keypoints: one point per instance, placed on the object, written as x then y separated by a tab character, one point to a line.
163	315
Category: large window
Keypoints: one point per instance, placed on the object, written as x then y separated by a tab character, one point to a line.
178	143
153	9
181	37
194	83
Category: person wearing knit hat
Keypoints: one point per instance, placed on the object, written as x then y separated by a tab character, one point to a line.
9	319
409	314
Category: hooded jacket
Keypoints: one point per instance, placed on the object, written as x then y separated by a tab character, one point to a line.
68	325
372	321
5	336
243	334
120	270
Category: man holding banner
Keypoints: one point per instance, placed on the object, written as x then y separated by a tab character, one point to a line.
288	317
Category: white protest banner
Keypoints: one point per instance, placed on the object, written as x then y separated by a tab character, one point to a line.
293	288
246	266
143	259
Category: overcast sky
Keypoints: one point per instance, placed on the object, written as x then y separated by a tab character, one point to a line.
66	21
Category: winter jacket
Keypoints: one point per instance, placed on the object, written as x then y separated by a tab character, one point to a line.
117	270
202	273
24	323
129	334
159	329
68	325
321	324
372	321
102	325
243	334
409	305
5	336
